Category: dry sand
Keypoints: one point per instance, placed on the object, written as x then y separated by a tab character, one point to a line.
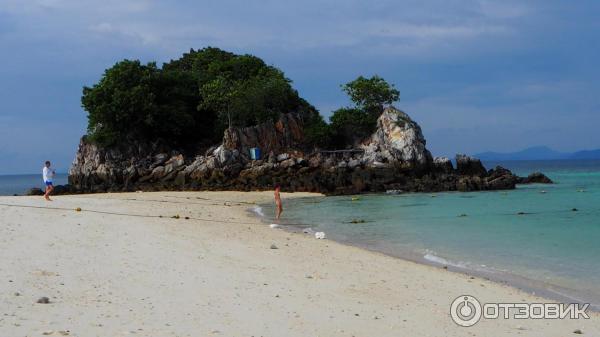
216	275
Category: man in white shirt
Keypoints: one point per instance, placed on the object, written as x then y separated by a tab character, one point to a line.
48	175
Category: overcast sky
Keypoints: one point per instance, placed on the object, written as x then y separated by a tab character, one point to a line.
477	75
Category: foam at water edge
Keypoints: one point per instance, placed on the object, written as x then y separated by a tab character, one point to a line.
429	256
258	211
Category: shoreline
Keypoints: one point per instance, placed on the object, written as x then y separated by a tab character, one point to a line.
532	287
117	267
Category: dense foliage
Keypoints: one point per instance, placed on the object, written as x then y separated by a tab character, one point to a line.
371	94
350	125
190	100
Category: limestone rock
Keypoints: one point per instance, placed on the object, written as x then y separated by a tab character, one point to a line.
398	139
443	164
285	133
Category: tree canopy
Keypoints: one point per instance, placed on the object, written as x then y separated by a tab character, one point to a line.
350	125
189	100
371	94
193	99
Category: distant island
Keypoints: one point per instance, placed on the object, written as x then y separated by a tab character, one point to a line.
539	153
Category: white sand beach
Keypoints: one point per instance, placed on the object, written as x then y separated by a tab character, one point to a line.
110	270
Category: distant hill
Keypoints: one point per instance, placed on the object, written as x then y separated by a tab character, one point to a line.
538	153
588	154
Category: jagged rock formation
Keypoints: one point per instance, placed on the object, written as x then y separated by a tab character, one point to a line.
393	158
398	139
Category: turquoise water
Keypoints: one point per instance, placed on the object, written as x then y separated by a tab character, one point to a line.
19	184
550	246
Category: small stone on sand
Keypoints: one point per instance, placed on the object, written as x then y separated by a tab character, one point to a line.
43	300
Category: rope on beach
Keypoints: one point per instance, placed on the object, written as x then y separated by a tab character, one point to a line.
232	203
124	214
223	200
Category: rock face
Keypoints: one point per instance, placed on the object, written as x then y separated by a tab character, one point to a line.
394	158
286	133
397	140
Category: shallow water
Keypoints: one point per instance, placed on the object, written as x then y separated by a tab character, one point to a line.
546	234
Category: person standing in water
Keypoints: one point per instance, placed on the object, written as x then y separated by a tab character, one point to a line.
278	206
48	175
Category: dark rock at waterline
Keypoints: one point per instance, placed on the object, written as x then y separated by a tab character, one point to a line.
466	165
58	190
535	178
34	191
61	189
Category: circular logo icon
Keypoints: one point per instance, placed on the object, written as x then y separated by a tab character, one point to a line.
465	310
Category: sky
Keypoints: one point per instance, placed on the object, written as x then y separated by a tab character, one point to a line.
477	75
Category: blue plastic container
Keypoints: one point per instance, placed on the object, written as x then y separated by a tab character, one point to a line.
255	153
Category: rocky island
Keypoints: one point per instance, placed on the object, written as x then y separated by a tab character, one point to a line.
387	155
394	158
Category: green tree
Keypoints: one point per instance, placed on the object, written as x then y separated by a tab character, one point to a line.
371	94
189	101
351	125
121	102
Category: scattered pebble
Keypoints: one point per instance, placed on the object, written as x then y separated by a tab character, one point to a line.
78	209
17	293
273	246
578	332
43	300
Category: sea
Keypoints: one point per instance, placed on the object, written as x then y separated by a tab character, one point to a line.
544	239
20	184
